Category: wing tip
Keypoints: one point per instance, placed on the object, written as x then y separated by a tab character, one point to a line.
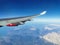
44	12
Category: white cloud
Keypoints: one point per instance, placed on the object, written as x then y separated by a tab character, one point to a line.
48	28
6	39
52	27
58	25
32	28
45	20
40	37
52	37
16	28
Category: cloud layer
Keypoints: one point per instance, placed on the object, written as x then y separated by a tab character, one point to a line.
52	27
52	37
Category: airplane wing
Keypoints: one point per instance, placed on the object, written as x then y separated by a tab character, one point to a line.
17	20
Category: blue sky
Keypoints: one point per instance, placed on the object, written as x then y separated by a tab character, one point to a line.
16	8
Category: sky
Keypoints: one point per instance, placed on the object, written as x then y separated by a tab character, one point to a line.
16	8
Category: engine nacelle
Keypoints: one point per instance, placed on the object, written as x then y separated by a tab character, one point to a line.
13	24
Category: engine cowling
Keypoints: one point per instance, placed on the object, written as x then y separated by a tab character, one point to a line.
13	24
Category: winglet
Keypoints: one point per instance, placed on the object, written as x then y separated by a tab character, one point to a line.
42	13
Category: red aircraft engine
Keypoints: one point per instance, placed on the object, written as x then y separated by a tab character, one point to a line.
13	24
